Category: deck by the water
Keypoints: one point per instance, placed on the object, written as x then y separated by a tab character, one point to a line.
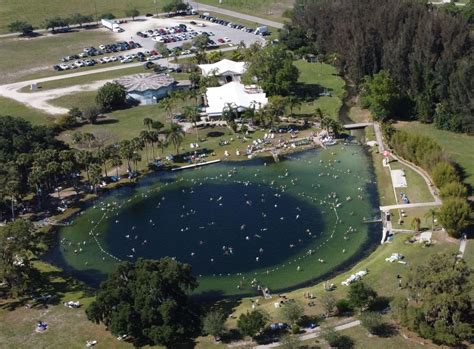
195	165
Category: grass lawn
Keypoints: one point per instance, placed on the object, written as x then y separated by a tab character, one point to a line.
410	213
22	58
384	182
270	9
13	108
417	190
36	12
80	100
457	146
84	79
315	78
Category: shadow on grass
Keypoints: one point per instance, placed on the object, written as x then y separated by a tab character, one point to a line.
106	121
385	330
215	134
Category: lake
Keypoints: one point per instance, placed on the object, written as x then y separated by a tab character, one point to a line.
239	224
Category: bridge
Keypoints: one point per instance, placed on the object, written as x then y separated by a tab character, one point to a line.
355	126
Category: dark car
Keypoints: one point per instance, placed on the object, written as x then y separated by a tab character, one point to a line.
149	15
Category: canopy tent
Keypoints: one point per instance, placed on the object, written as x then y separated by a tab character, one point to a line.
223	67
235	94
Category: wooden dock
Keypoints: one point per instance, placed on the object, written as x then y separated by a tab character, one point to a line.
195	165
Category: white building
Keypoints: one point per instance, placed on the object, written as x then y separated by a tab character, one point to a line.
235	94
225	69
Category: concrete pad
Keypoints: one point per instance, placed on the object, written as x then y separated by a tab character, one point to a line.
398	178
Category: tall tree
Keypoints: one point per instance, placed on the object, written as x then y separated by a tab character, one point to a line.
251	323
148	301
111	96
175	136
455	215
214	323
22	27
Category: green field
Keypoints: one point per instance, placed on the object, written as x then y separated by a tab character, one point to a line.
270	9
316	77
35	12
459	147
13	108
22	59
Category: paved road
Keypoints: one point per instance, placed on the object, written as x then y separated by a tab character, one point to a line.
378	136
314	334
201	7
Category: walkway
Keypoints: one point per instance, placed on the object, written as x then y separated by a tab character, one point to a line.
201	7
462	247
378	136
359	125
314	334
404	206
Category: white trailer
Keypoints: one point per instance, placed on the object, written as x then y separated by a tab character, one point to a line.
110	24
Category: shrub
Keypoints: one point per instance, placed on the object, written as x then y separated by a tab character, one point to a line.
453	189
444	173
454	215
343	307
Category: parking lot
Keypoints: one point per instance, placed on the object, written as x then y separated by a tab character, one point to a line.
137	42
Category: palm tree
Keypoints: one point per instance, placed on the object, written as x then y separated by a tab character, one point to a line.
12	188
175	136
145	139
148	122
157	125
432	213
167	104
415	224
96	175
293	102
229	114
126	152
117	162
193	115
84	158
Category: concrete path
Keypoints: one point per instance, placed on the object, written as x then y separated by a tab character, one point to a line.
314	334
359	125
378	136
403	206
202	7
462	247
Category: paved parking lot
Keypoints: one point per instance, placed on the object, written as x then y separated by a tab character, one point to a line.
131	28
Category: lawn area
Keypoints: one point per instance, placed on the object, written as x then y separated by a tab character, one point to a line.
23	58
79	99
417	190
13	108
316	78
384	182
410	213
85	79
381	275
36	12
270	9
459	147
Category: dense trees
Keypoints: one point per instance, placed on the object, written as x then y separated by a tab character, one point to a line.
440	305
272	68
175	6
148	301
132	12
454	215
18	243
426	51
380	94
111	96
214	323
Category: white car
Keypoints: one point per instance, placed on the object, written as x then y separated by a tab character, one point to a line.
226	39
102	47
64	66
106	59
126	60
186	52
113	59
79	63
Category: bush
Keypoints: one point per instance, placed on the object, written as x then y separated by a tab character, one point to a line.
453	189
372	321
343	307
336	340
361	295
444	173
295	329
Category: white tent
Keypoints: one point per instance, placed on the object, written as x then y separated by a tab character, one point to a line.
236	94
223	67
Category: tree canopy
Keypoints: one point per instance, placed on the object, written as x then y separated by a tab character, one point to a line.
111	96
23	27
442	307
251	323
148	301
426	50
273	69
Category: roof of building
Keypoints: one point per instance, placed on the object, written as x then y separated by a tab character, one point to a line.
144	82
223	66
236	94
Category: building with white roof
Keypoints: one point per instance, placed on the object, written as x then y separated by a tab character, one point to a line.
235	94
225	69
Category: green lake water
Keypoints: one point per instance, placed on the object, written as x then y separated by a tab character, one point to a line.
280	225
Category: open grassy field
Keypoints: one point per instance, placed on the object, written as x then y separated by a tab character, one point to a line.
13	108
314	79
35	12
23	58
457	146
270	9
417	190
